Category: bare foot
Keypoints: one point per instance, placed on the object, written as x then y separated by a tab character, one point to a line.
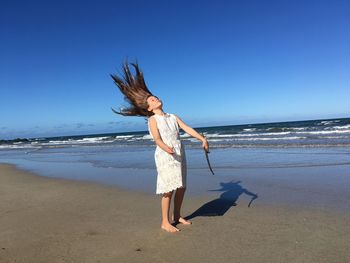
169	228
183	221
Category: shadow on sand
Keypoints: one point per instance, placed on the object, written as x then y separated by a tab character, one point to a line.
218	207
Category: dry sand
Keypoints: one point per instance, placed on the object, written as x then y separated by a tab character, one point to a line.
54	220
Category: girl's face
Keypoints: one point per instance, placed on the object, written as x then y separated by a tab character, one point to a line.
153	103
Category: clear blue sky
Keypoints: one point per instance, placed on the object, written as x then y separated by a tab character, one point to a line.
211	62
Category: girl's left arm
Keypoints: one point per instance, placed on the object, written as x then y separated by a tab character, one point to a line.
193	133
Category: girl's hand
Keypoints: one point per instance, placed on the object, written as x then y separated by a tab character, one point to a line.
170	150
205	145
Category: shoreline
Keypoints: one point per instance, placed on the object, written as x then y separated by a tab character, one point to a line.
58	220
307	186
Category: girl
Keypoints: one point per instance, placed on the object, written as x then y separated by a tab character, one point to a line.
163	127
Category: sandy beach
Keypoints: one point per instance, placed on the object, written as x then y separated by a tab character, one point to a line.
57	220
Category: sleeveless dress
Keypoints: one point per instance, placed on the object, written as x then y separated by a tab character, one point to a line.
171	168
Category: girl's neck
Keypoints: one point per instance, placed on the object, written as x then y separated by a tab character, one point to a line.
159	112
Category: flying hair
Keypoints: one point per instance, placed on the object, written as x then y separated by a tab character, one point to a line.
135	91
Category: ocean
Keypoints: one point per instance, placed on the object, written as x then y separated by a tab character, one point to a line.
303	160
312	133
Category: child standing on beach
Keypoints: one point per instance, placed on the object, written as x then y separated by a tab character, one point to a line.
169	155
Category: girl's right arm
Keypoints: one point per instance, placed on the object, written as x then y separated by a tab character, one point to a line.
156	136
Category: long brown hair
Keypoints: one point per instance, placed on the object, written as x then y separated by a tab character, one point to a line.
135	91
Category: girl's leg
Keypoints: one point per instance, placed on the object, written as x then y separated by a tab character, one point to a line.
179	196
166	199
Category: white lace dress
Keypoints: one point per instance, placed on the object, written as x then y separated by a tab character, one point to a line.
171	168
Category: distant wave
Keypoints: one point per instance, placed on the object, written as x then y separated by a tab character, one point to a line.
342	127
328	122
271	138
324	132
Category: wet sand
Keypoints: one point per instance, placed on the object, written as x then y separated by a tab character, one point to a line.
57	220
